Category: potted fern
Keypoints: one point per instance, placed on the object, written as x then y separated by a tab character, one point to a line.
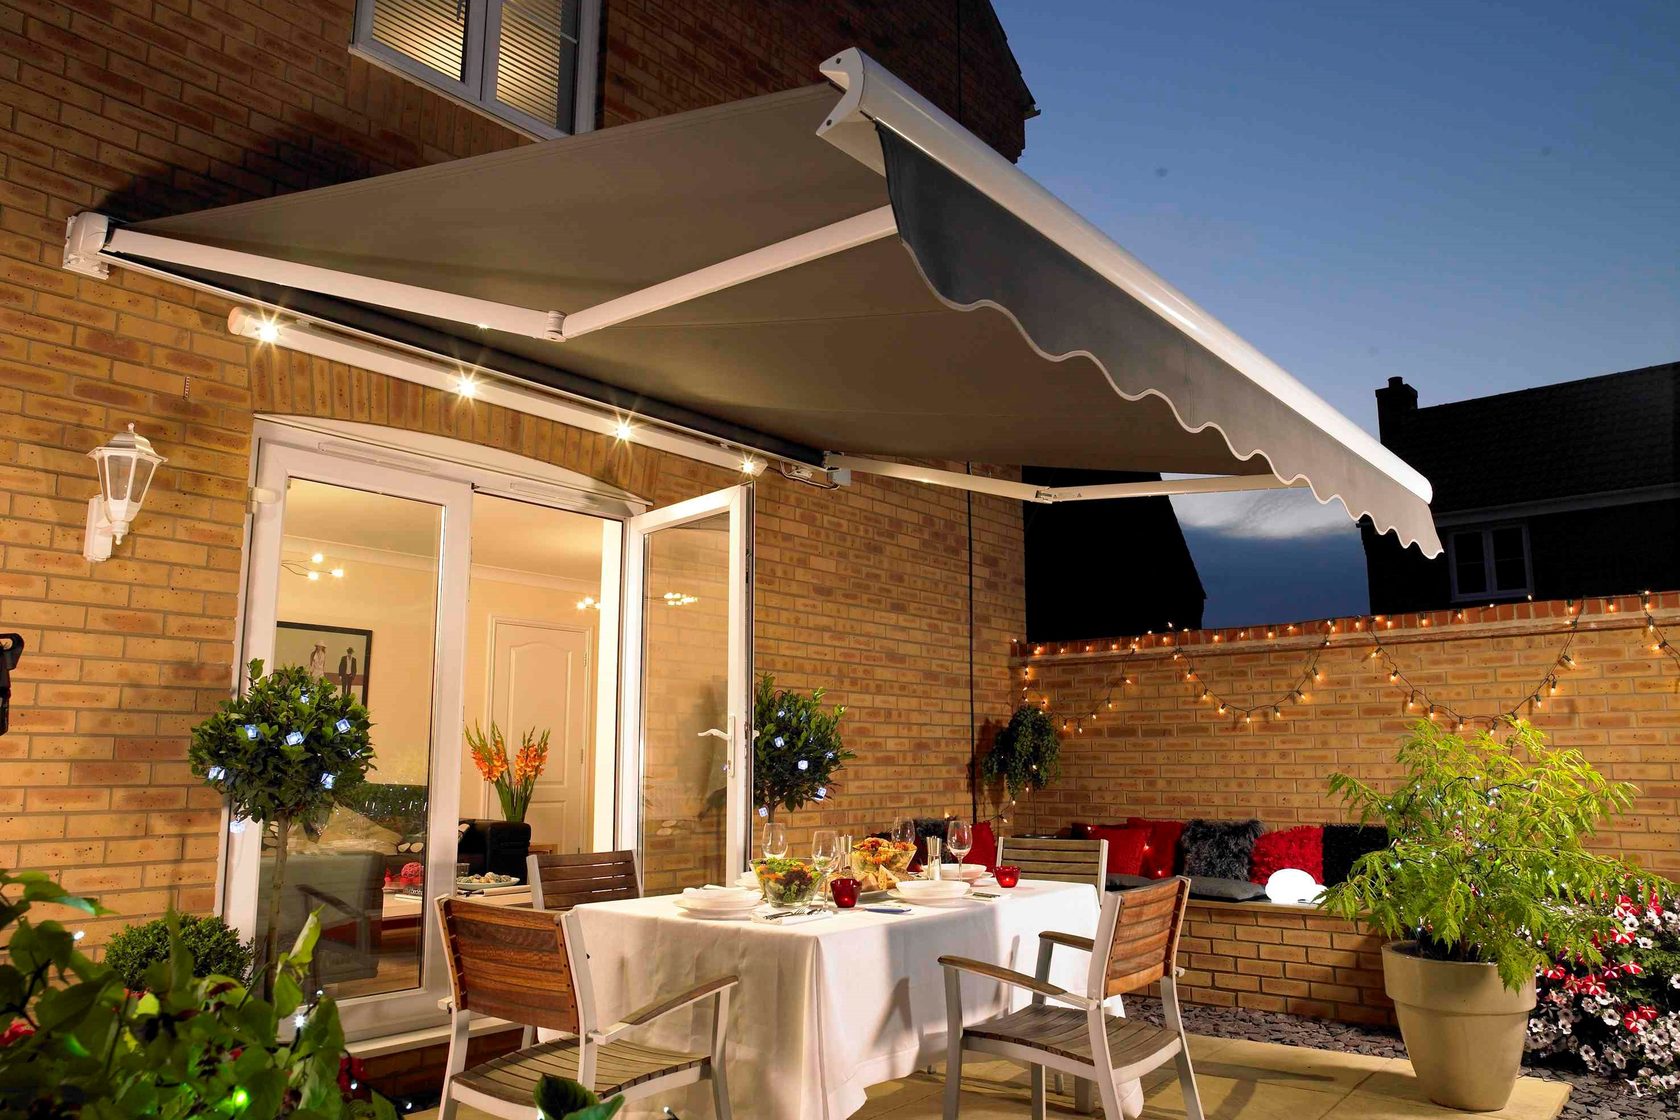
1487	877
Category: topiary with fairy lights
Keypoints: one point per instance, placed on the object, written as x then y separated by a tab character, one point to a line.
286	752
796	748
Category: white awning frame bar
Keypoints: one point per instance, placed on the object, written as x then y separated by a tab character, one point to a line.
482	313
87	229
873	93
848	233
1049	495
1212	484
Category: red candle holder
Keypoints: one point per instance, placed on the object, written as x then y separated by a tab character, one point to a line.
1008	875
845	892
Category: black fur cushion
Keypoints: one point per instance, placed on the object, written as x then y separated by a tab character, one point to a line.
1219	849
1344	843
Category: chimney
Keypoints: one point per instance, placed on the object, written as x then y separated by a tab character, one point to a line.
1395	402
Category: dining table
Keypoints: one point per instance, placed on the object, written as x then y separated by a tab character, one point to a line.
828	1007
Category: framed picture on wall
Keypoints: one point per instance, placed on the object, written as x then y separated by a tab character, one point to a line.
340	654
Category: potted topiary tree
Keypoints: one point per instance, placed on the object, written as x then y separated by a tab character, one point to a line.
286	752
796	748
1487	875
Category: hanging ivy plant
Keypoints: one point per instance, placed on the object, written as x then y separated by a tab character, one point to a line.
1026	754
796	748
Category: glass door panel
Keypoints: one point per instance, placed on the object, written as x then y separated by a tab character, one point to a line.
359	576
685	721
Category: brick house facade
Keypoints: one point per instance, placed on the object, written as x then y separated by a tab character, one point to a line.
139	108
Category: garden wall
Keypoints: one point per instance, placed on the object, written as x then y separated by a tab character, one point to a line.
1163	750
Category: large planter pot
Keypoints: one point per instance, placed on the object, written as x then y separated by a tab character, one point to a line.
1463	1027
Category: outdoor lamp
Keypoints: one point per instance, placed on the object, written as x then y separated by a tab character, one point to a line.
126	466
1292	885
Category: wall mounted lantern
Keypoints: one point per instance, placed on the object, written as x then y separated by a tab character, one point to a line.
126	466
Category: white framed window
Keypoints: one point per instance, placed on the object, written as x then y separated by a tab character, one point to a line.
1490	563
528	62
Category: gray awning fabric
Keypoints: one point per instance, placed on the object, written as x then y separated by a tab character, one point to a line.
971	336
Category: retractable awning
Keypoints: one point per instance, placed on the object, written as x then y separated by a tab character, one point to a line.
821	282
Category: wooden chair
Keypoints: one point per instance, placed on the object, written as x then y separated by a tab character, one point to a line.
529	966
1136	945
560	882
1065	861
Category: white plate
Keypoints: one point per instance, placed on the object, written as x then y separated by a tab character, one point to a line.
929	900
968	872
738	910
714	898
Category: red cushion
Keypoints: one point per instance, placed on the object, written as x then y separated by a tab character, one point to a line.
1125	848
1160	860
985	845
1301	848
1078	831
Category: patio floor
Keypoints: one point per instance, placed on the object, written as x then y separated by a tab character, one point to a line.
1239	1080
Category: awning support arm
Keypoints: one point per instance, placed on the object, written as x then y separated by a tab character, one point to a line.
848	233
90	234
327	281
1048	495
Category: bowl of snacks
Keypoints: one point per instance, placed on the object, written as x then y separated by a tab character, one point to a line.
879	864
786	883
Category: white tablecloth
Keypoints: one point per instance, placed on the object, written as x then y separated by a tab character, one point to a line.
824	1009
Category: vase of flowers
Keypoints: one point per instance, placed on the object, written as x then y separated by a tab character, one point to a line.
514	778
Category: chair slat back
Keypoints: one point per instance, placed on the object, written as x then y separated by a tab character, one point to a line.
512	964
1065	861
1140	928
560	882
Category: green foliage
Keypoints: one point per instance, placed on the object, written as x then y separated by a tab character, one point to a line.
1488	860
284	753
1026	755
74	1043
215	947
796	747
243	750
560	1098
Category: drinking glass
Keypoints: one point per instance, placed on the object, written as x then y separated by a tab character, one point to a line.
825	852
775	840
959	840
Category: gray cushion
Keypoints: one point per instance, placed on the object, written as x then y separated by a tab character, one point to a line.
1226	890
1219	849
1119	882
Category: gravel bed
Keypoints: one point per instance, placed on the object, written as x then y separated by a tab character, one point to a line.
1591	1097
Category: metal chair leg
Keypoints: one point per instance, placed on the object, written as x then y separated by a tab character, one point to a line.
1187	1084
720	1082
1037	1093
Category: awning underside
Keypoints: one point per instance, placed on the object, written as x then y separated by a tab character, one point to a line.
867	351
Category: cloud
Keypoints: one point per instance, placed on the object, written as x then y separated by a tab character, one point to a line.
1262	515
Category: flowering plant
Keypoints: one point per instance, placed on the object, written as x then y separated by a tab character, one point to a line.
514	779
1621	1017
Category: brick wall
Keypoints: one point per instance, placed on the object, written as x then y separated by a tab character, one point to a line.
139	108
1163	751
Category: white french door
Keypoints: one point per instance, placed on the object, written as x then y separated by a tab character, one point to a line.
684	705
360	568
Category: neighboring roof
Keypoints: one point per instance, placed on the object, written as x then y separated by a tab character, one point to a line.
1615	432
999	326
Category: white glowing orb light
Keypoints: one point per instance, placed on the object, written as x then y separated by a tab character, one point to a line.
1292	885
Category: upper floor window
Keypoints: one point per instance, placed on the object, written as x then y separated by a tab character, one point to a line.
1490	563
519	60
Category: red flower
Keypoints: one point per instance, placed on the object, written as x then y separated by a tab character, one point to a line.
19	1028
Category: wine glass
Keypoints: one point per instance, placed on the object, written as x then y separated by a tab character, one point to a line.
825	851
775	840
959	840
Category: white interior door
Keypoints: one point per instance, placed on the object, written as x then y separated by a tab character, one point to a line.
683	768
539	677
352	559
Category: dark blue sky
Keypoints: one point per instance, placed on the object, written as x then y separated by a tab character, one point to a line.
1475	196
